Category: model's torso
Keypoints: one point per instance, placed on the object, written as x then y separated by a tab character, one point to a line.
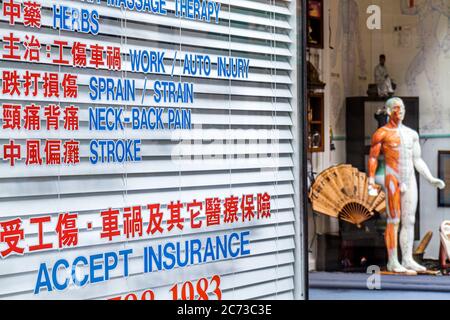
397	147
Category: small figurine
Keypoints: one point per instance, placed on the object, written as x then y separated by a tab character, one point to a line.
401	148
386	87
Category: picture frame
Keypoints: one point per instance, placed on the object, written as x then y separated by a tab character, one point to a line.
315	9
444	174
315	24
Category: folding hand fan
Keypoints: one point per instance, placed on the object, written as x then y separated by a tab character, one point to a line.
342	192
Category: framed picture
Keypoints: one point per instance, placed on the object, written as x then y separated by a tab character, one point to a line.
315	9
444	174
315	23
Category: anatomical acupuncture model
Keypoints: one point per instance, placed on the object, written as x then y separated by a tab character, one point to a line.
401	148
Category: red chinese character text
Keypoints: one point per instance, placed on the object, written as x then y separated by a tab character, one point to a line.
11	116
10	82
132	221
31	14
31	83
32	49
10	44
247	207
97	56
175	216
71	121
32	117
194	208
263	206
71	152
11	10
110	224
213	211
67	230
12	152
41	245
79	54
70	86
51	85
156	217
11	234
33	152
52	113
61	44
231	208
113	58
53	152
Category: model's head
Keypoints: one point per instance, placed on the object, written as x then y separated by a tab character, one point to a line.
382	59
395	109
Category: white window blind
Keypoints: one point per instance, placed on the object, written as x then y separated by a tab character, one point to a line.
242	142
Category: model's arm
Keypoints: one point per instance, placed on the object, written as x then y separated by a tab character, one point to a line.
375	151
422	167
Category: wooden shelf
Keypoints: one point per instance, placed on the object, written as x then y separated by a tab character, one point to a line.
316	127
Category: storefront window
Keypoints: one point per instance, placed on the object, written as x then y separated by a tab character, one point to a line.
378	138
